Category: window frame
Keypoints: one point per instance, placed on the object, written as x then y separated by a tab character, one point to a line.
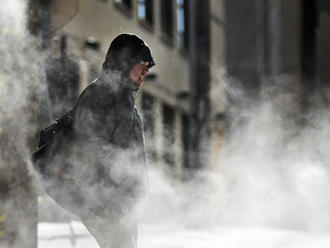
124	8
168	113
148	24
166	37
184	7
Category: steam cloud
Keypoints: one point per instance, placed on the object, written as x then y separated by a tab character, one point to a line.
21	82
271	172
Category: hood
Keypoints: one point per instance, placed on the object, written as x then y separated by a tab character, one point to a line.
124	52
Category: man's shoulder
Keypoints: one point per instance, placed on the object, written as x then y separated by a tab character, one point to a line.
91	88
95	90
99	94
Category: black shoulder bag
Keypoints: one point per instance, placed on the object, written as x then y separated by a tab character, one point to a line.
51	140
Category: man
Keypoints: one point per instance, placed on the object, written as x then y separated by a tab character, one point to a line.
106	176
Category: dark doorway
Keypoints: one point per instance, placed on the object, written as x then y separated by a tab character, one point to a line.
309	18
309	24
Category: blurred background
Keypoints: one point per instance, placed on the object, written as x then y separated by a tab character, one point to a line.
217	62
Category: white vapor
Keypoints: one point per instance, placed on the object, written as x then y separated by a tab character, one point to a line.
271	172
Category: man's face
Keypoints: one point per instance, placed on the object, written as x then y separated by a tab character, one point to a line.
138	72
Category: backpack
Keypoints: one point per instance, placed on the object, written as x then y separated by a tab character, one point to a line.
52	139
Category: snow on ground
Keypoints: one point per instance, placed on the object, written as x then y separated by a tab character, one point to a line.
64	235
73	234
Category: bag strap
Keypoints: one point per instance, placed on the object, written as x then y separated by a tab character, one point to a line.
70	115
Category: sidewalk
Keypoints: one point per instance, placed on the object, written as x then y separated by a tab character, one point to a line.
57	228
74	235
64	235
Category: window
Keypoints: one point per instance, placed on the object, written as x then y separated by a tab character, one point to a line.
169	136
145	12
124	5
183	24
308	40
167	18
185	140
147	106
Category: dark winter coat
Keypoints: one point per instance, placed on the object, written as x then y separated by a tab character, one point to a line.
107	159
